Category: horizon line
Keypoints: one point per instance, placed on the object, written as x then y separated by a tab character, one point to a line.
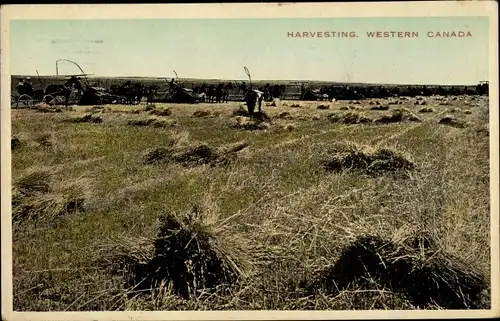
254	80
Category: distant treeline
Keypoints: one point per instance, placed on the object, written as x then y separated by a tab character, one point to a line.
288	89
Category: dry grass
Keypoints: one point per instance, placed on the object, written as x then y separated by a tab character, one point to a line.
273	214
37	196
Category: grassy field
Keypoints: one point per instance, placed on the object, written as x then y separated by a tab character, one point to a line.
273	211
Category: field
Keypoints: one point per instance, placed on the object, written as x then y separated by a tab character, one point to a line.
282	212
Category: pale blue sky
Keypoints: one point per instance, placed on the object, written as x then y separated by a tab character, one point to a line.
219	48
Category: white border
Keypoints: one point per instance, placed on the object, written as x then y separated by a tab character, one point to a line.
254	10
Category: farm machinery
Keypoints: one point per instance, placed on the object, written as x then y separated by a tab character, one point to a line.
76	89
178	94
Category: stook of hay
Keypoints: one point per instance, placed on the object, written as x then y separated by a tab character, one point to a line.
88	118
15	143
275	103
380	107
191	251
453	122
159	111
37	195
349	118
240	111
195	155
44	140
247	123
426	110
413	266
365	159
284	115
295	106
398	115
323	107
153	122
205	114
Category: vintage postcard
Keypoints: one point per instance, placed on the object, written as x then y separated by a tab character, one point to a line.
250	161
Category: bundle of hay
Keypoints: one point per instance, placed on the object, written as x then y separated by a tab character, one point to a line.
414	266
355	118
205	113
295	106
15	143
192	251
452	121
349	118
44	139
455	110
426	110
45	108
160	111
154	122
380	107
398	115
37	195
284	115
150	107
287	127
96	109
240	111
247	123
194	154
467	112
365	159
323	107
88	118
275	103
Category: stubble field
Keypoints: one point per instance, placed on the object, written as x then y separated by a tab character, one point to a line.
272	218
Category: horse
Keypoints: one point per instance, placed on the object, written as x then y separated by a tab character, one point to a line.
64	90
151	91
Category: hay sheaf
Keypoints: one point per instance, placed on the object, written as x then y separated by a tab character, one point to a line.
452	121
15	143
283	115
159	111
194	154
153	122
250	123
206	114
398	115
192	251
36	195
349	118
323	107
365	159
426	110
88	118
44	139
414	266
380	107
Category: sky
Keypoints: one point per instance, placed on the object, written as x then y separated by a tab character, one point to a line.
220	48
